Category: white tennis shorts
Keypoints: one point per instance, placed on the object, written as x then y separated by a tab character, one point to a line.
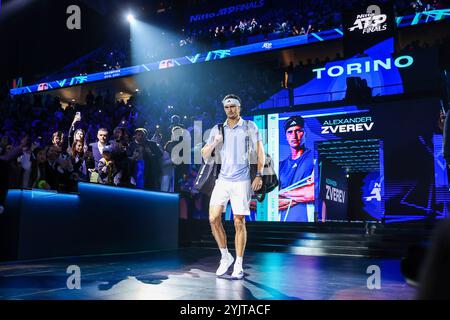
239	193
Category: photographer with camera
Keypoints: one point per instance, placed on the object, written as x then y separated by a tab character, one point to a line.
76	134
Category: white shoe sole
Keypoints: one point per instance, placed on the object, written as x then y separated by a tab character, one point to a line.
237	277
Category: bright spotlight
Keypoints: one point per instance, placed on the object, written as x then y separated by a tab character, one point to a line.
130	18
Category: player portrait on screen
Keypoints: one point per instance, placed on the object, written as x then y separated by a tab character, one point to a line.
296	174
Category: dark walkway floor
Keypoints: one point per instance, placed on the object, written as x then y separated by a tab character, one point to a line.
189	274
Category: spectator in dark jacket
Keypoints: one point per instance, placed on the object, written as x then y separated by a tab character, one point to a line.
145	156
97	147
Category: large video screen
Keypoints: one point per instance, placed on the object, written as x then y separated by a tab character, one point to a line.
379	71
379	162
314	153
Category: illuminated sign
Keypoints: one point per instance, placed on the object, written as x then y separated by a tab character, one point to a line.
372	21
366	67
267	45
357	124
375	194
226	11
333	193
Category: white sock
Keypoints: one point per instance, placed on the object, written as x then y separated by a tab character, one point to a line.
238	263
224	252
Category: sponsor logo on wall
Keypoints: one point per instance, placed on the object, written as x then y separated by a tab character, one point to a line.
366	25
375	195
226	11
373	20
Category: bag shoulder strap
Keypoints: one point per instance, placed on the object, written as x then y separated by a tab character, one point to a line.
249	142
249	139
221	130
246	125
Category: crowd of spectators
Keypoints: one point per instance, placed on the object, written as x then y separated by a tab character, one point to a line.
293	18
288	18
116	142
128	142
422	5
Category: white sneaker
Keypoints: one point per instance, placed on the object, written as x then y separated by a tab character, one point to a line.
238	273
225	263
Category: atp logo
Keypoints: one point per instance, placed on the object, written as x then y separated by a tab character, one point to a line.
376	193
267	45
371	21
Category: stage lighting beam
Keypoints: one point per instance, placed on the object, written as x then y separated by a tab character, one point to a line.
130	18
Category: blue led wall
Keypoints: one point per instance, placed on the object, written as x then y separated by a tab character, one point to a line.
101	219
